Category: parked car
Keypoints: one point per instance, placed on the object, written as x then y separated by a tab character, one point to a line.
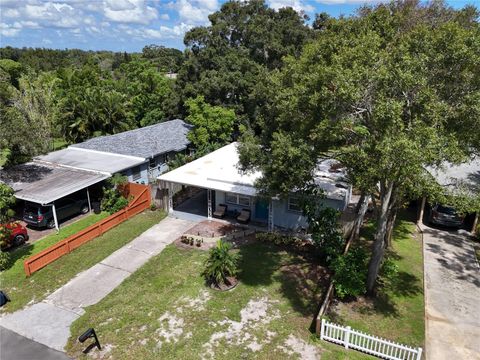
42	216
446	216
18	235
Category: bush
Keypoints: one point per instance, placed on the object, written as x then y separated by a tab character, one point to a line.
113	199
350	273
388	272
4	260
276	238
326	235
220	264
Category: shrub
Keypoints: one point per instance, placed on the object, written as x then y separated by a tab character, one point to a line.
220	264
113	199
326	235
388	272
4	260
350	273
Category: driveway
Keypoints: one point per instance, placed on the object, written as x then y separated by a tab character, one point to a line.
452	296
48	322
16	347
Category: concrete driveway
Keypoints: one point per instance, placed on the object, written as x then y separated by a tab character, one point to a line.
48	322
452	296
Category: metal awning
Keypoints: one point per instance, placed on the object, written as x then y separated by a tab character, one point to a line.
44	184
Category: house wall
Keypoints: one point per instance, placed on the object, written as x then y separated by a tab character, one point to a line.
143	174
282	217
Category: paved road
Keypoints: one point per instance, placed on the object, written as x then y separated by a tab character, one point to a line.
17	347
452	296
48	322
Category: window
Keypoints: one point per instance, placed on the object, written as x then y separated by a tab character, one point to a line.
153	163
237	199
294	204
136	173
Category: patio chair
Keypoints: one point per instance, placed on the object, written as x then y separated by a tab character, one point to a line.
244	216
221	211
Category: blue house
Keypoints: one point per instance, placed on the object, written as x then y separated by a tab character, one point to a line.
217	181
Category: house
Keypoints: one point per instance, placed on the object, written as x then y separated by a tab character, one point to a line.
219	181
141	154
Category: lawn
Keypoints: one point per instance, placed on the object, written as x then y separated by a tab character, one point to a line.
165	311
23	290
397	313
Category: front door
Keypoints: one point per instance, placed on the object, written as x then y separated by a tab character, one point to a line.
261	209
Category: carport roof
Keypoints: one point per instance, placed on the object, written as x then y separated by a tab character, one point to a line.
43	184
91	160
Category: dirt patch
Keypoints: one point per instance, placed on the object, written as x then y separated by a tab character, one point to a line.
255	315
212	228
105	353
296	346
170	330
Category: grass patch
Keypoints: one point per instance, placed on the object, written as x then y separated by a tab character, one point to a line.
397	313
168	296
23	290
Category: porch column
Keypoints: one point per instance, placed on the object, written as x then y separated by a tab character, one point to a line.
88	198
270	215
209	201
421	211
54	210
170	198
475	222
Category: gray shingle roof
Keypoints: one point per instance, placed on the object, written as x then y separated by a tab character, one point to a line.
143	142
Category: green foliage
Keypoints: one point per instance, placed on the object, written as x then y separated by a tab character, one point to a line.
113	199
350	273
220	264
5	259
326	235
388	272
212	124
277	238
7	201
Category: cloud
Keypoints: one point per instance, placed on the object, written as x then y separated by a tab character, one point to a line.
195	11
8	30
297	5
129	11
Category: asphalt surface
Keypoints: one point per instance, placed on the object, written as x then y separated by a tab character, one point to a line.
16	347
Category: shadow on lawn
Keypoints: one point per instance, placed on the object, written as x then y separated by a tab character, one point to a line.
19	254
302	282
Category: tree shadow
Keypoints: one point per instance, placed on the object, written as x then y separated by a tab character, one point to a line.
19	254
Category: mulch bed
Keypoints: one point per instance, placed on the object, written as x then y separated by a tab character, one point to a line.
232	282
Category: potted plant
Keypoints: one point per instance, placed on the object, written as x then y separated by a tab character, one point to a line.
199	242
221	267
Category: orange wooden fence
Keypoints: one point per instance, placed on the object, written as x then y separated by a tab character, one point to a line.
141	201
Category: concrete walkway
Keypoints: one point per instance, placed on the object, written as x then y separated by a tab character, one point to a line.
48	322
452	296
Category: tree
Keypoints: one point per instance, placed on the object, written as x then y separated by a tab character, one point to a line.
383	92
213	125
226	61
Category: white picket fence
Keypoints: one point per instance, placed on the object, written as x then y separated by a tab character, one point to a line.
373	345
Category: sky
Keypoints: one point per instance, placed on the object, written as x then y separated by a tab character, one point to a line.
129	25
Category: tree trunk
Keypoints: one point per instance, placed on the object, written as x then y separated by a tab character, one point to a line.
390	225
360	211
378	249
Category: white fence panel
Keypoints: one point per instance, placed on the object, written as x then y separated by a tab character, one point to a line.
353	339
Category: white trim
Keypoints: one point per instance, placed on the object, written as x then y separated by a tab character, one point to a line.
73	147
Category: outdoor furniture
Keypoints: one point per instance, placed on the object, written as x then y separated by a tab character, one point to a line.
221	211
244	216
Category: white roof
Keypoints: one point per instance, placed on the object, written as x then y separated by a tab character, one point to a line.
219	170
44	184
465	176
79	158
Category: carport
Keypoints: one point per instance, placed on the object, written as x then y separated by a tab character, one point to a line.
45	183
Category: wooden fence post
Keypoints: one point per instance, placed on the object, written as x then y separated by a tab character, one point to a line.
26	267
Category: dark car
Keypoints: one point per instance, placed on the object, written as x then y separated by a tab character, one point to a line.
42	216
446	216
18	235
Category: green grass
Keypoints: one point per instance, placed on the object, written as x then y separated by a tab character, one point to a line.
23	290
397	312
128	324
58	144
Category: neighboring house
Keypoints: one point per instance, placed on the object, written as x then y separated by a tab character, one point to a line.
155	145
219	175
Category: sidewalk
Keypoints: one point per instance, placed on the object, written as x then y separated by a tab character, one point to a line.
452	293
48	322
